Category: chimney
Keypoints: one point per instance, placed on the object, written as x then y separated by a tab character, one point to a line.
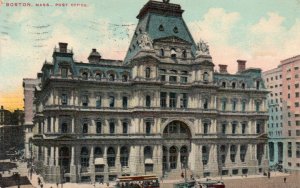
241	65
94	56
223	68
63	47
1	107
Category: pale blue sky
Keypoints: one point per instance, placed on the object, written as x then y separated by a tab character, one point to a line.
260	31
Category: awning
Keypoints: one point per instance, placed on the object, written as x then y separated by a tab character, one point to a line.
99	161
148	161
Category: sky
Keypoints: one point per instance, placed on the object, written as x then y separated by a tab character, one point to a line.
261	32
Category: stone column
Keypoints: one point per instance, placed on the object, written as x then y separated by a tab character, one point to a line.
51	156
45	156
118	162
178	160
228	161
56	156
213	160
168	159
105	164
56	127
73	173
168	100
238	152
73	124
92	164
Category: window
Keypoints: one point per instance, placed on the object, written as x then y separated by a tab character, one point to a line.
125	127
243	106
163	78
296	85
205	128
64	72
233	85
162	52
232	153
184	54
257	85
124	156
258	127
111	127
85	100
257	105
175	29
98	102
233	105
205	77
224	84
298	149
85	128
163	99
289	87
84	158
98	127
148	71
64	99
84	75
223	128
289	123
173	53
98	76
297	94
296	104
223	105
124	102
183	100
172	100
148	101
297	132
124	78
205	155
243	151
183	79
233	131
296	68
111	157
173	79
244	128
148	127
243	86
64	128
205	104
290	153
111	77
297	123
111	101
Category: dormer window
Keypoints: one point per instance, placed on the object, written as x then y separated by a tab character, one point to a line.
148	70
85	75
175	29
161	28
162	52
111	77
173	53
64	72
184	54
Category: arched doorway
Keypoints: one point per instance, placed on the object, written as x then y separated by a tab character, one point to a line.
176	146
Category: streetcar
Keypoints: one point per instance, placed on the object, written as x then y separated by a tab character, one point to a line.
144	181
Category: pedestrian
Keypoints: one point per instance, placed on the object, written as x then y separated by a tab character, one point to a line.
42	185
39	181
269	174
284	179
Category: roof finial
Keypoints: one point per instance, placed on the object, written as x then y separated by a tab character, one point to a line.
166	1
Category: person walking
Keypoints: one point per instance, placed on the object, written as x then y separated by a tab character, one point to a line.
284	179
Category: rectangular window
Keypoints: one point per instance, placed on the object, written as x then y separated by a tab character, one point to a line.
173	100
125	127
163	99
148	127
233	131
111	101
257	128
64	72
124	102
183	100
290	133
223	105
289	123
296	85
296	68
173	79
243	106
111	127
289	95
297	94
290	152
64	99
223	128
98	127
297	123
257	106
183	79
296	104
233	106
85	100
163	78
298	149
297	132
98	102
244	128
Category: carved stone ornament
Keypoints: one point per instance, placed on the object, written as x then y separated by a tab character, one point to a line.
145	42
202	48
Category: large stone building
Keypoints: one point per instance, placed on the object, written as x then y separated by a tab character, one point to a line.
161	109
284	109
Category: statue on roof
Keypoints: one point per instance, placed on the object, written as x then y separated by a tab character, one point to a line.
202	48
145	41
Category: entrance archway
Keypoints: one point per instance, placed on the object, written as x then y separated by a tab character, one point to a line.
176	146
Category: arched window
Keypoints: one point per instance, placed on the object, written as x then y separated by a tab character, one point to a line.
257	84
124	156
98	76
224	84
243	86
162	52
111	127
243	151
111	77
64	127
84	158
173	53
111	101
98	152
205	128
223	153
125	127
98	102
161	28
111	157
85	128
124	78
233	85
85	75
184	156
148	70
148	101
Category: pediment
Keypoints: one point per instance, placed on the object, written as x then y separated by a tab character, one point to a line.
172	39
207	63
145	57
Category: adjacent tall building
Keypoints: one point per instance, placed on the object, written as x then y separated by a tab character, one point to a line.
160	110
284	110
